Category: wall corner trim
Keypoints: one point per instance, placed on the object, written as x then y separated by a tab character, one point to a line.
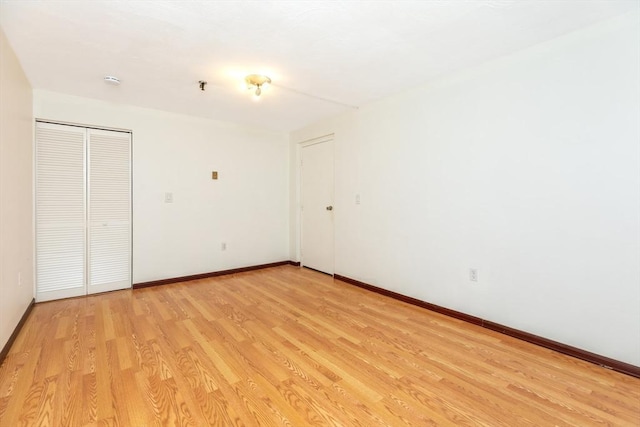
605	362
16	331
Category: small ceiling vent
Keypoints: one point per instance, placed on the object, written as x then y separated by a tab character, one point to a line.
111	80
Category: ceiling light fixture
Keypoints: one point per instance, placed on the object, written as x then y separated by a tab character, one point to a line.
256	81
111	80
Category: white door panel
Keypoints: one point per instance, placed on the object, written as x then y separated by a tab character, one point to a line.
109	211
317	206
60	211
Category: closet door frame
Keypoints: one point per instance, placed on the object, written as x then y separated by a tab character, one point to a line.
48	295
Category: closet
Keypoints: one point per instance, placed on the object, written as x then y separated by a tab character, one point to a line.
82	210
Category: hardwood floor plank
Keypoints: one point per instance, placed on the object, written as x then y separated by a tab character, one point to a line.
287	346
23	380
89	398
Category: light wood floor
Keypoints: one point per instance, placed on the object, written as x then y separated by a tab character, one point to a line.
289	347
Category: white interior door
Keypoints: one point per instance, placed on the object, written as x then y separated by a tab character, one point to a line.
109	211
60	211
317	206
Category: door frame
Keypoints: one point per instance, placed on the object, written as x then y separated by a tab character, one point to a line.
297	242
63	294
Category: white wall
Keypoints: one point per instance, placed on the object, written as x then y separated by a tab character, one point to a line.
247	207
16	203
526	168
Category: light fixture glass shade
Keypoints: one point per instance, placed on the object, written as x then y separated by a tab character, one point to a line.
257	81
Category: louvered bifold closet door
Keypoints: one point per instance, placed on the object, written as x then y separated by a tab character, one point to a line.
109	210
60	211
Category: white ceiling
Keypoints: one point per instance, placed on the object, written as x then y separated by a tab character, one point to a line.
349	52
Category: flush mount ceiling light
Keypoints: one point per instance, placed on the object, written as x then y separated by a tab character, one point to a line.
112	80
256	81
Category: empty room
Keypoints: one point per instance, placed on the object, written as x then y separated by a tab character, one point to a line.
319	213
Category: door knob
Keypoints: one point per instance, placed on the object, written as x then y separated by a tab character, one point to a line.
329	208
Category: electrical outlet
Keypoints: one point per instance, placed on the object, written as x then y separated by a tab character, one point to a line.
168	197
223	246
357	199
473	274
